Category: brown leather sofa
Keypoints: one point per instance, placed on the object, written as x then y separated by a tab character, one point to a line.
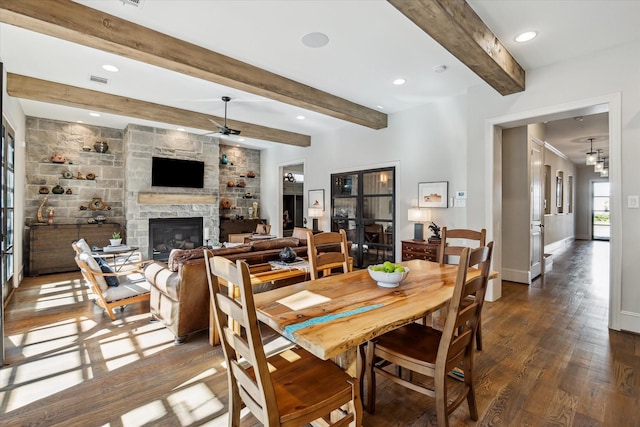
179	289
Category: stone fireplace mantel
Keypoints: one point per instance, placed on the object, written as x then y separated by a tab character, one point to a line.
175	199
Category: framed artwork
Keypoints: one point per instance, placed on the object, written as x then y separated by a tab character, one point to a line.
433	194
316	199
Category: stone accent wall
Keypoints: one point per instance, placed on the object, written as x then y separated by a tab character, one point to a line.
44	138
240	161
141	144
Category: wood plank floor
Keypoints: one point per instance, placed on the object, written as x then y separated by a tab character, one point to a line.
549	359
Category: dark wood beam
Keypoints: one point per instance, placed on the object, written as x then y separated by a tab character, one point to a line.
455	25
65	19
55	93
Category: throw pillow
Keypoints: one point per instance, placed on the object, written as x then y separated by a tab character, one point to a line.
106	268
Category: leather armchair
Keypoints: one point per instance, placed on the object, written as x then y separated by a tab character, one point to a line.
180	299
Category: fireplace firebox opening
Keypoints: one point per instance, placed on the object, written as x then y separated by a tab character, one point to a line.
166	234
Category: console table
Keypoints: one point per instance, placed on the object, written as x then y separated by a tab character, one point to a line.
238	226
419	249
49	246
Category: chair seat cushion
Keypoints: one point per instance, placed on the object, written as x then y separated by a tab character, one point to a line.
130	285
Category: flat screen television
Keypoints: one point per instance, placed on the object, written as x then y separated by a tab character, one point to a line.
177	173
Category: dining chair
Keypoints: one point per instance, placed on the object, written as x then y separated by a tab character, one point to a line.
429	352
290	388
450	247
324	262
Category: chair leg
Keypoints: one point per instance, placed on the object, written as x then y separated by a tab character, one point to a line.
471	394
235	403
479	334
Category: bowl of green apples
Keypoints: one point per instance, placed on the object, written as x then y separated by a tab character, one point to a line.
388	274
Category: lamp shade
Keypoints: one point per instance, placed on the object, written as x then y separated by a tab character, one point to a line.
314	213
591	158
419	215
599	166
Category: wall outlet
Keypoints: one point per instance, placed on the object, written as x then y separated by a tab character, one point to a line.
633	202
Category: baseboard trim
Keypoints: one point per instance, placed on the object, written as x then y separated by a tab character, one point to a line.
518	276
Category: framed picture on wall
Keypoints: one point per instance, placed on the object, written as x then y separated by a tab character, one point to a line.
433	194
316	199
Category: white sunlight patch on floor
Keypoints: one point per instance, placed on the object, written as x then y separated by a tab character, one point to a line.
194	403
57	294
144	415
208	373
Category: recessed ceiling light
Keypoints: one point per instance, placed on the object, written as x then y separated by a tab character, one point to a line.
399	82
180	129
109	67
526	36
315	40
380	107
94	114
79	121
240	139
300	117
440	68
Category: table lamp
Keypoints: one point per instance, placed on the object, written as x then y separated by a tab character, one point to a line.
419	216
315	213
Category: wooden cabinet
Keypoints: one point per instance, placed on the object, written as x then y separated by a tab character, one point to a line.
415	249
49	246
237	226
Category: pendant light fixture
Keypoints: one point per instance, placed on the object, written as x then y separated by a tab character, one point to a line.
605	170
591	155
599	166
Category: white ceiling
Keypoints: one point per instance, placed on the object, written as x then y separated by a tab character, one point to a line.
371	43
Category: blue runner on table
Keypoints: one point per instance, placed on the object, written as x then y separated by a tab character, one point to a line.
290	329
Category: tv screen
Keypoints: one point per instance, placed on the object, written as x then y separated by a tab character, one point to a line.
177	173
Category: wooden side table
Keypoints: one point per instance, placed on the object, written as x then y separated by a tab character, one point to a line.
416	249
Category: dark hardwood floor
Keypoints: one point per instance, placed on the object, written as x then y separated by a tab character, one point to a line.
549	359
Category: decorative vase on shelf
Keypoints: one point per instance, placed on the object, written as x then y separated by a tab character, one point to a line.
101	146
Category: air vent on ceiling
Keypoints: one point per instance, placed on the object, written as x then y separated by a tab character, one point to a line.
136	3
101	80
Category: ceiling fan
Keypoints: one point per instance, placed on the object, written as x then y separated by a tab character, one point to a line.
224	129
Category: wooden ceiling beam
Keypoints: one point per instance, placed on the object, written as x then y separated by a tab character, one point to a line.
65	19
455	25
56	93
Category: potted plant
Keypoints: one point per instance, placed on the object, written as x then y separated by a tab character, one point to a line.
115	239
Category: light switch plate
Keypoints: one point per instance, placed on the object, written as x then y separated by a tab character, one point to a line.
633	202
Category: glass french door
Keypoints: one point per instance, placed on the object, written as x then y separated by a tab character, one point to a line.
6	227
363	204
600	214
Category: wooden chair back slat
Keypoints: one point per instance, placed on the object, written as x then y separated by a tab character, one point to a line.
449	248
326	261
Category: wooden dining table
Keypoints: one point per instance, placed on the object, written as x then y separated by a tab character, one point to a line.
349	309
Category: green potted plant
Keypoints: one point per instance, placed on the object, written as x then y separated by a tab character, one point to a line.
115	239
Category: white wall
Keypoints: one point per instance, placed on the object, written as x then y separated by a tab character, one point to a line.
424	144
607	77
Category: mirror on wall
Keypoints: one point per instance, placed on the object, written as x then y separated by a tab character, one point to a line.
559	191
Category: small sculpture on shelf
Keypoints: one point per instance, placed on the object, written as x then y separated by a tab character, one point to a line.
436	233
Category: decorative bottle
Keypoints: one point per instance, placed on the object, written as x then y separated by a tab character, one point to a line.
50	217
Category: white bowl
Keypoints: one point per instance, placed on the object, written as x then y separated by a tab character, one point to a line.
388	280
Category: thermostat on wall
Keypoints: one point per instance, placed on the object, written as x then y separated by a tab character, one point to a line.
461	194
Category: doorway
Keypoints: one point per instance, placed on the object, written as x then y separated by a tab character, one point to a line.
493	185
363	204
600	210
292	198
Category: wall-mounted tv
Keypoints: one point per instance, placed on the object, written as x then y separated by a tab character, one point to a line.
177	173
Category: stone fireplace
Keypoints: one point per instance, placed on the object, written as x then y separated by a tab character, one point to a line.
166	234
142	202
